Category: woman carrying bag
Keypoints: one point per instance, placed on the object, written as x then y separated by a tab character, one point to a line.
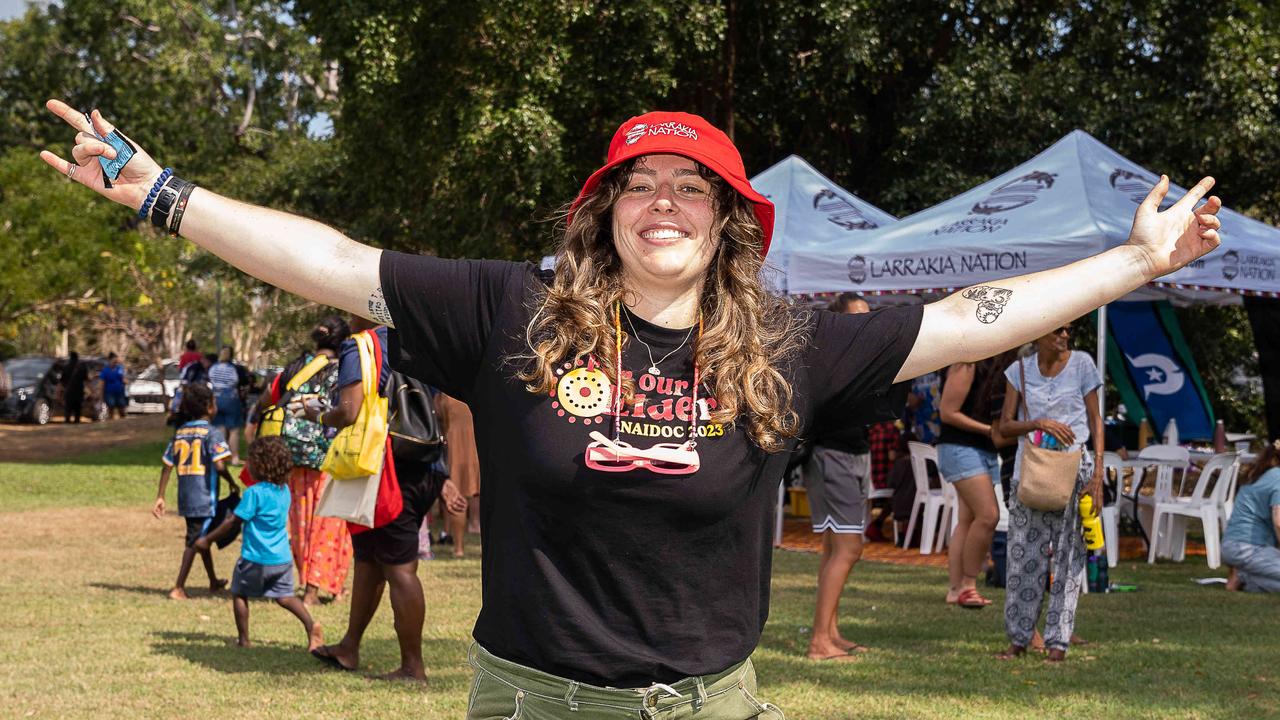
1057	413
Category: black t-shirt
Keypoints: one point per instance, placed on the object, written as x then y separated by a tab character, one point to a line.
619	578
850	438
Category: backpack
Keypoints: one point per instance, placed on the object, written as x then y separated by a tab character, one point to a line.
414	427
273	414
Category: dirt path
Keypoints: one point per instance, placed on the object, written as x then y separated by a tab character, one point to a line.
58	441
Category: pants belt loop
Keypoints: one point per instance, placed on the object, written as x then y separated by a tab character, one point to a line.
701	698
568	696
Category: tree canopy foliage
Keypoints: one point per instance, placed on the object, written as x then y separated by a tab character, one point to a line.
461	128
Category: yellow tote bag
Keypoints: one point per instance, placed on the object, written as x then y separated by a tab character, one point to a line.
357	451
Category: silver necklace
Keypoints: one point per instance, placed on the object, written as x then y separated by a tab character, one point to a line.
653	365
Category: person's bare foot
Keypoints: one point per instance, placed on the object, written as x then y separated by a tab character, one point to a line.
217	586
337	657
177	594
311	598
1056	656
953	596
315	638
1233	581
850	647
828	650
237	642
1012	652
1037	641
403	675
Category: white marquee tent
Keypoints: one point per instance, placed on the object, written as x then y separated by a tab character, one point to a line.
812	212
1075	199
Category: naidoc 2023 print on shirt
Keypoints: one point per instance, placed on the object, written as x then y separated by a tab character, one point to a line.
662	408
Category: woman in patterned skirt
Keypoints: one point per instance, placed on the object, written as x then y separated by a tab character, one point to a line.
321	545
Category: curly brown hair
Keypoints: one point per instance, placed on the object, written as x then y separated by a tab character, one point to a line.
269	460
749	333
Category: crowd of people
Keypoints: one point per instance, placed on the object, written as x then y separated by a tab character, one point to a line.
635	407
288	432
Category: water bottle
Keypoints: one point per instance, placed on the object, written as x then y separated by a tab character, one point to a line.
1092	572
1171	432
1104	582
1219	438
1092	524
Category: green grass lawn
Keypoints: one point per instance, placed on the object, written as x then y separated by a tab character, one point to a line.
87	631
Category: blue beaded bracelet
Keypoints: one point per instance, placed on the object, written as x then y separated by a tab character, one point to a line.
155	190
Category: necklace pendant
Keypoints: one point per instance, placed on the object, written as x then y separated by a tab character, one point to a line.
653	370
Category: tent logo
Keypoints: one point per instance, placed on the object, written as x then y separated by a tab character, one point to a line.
1164	377
1230	264
1136	185
858	269
840	211
1014	194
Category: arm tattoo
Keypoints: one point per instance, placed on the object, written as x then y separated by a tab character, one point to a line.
991	301
378	308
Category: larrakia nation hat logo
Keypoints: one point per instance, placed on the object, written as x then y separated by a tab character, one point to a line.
678	129
676	133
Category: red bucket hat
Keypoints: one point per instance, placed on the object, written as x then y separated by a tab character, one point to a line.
690	136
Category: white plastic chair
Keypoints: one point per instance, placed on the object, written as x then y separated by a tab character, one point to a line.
928	503
1167	460
950	516
1228	496
1002	525
1113	471
871	493
1205	504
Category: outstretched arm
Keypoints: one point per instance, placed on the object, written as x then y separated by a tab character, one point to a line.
298	255
984	320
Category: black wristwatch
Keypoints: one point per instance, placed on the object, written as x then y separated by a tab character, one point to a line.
164	202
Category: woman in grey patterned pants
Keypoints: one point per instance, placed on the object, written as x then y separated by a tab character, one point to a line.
1062	406
1044	544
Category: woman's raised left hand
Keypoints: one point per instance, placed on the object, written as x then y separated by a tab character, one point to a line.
1172	238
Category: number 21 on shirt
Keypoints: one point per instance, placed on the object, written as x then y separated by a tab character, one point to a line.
189	456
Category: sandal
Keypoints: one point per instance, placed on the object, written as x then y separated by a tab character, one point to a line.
971	599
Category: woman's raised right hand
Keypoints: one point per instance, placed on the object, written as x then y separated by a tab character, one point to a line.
1061	432
136	178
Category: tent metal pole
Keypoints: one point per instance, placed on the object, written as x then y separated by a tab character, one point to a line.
1102	361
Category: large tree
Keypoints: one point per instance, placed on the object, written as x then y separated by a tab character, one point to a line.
224	92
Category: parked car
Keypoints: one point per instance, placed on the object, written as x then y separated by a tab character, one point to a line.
150	392
36	389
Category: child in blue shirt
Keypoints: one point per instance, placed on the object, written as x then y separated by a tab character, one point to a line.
265	568
198	452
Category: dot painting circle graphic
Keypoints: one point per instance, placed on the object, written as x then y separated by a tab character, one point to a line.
585	393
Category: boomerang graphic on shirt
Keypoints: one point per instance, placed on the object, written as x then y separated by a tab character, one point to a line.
1164	377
